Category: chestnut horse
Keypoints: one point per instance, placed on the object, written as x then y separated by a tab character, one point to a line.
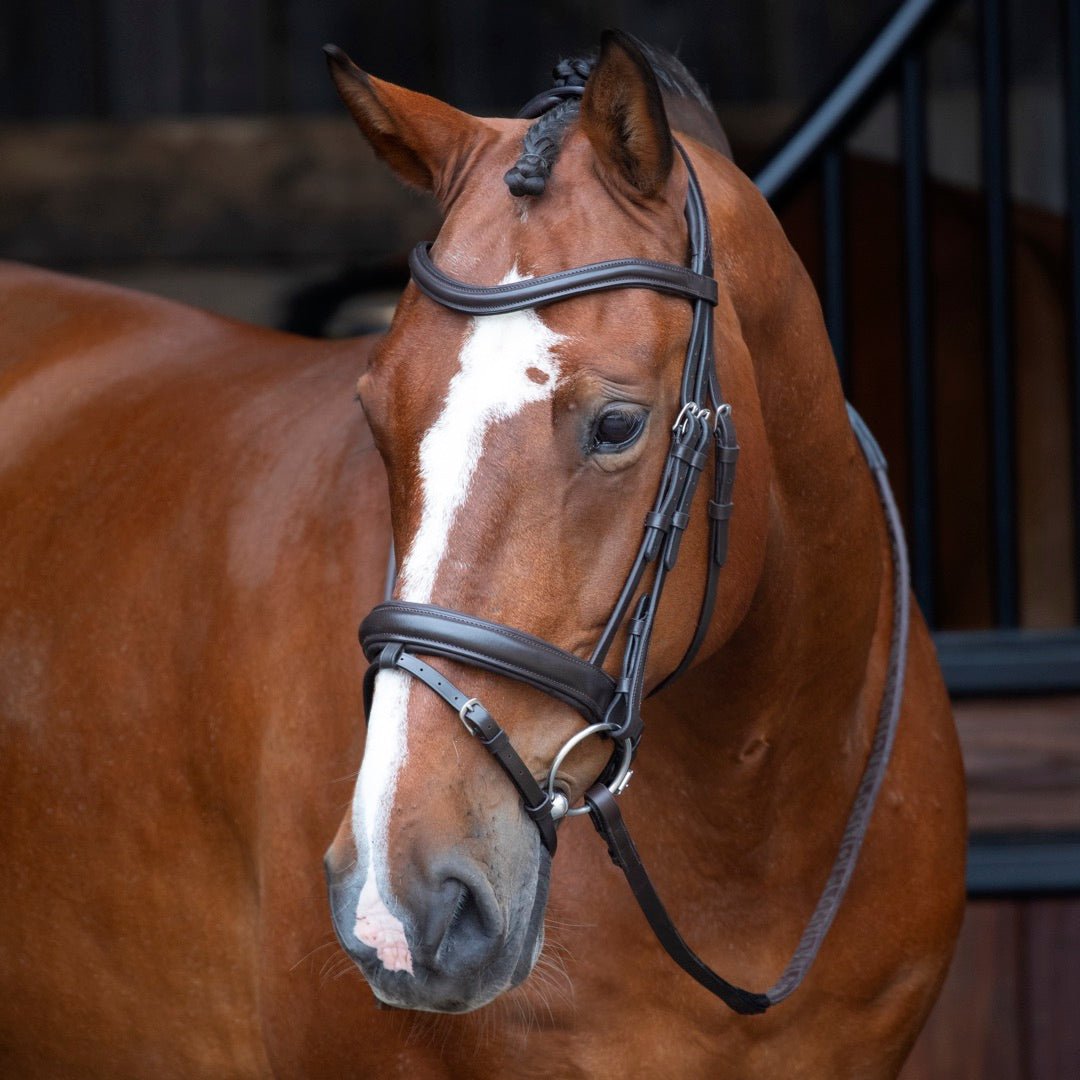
194	516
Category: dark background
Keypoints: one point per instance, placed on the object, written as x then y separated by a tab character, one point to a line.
133	59
197	148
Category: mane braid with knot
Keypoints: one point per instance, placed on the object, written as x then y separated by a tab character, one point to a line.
543	140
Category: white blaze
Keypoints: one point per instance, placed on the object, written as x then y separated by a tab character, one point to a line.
506	362
380	929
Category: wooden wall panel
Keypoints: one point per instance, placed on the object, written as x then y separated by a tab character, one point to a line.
1010	1008
214	188
1022	757
144	57
150	57
973	1032
228	56
1050	931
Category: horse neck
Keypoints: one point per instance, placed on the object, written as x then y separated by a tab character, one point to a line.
775	725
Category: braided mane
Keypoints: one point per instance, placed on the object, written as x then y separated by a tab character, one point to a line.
544	138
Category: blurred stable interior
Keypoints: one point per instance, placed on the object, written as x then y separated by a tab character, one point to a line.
197	150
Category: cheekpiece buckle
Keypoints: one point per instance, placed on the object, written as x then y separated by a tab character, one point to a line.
689	415
470	727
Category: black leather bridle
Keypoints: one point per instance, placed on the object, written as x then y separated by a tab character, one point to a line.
396	631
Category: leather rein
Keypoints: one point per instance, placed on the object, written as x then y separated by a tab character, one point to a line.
395	631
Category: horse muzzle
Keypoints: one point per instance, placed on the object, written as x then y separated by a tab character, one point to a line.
449	944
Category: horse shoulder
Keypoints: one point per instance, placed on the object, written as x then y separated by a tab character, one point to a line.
180	497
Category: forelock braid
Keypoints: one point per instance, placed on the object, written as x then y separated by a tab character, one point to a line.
543	140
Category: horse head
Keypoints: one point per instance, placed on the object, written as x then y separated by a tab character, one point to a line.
523	450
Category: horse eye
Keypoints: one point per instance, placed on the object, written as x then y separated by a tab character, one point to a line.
616	429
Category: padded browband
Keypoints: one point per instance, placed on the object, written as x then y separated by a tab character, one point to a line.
435	631
551	288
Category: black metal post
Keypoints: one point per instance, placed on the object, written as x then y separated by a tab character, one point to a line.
834	225
849	100
1072	151
920	397
999	300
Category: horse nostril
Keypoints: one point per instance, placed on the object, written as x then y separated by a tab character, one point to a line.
465	927
443	909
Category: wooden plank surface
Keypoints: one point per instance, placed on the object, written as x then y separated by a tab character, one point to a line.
1023	763
1050	975
1010	1006
973	1032
229	189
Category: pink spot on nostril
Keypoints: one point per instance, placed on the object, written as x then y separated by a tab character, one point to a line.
377	928
537	376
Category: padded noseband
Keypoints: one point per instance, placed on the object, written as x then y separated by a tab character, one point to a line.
437	631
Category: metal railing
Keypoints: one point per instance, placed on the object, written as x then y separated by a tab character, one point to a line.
1004	658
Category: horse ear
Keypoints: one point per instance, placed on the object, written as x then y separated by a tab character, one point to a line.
421	138
623	114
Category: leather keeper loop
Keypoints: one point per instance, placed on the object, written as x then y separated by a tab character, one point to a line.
630	729
495	741
719	511
696	459
540	810
388	658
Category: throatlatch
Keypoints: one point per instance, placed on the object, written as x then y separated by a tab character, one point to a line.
702	430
